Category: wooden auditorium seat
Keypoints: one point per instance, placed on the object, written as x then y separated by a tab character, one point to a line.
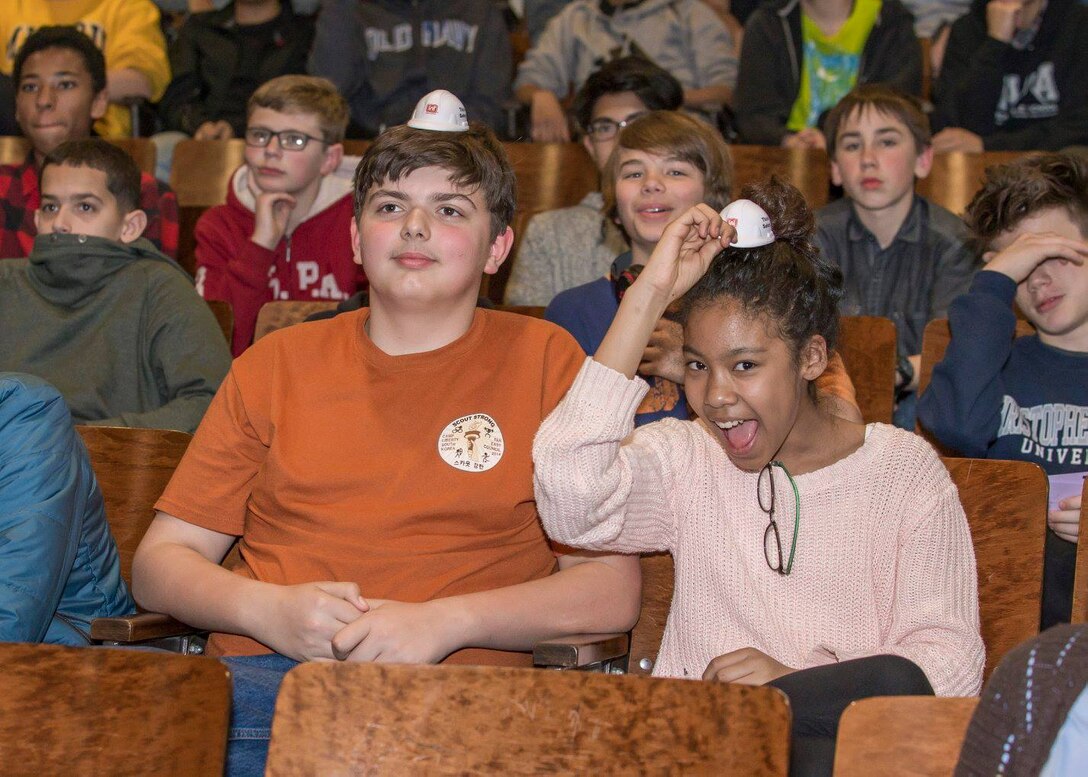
281	313
13	151
387	719
533	311
1080	578
867	345
224	316
957	175
132	467
633	653
1006	507
919	736
551	175
87	711
199	176
805	168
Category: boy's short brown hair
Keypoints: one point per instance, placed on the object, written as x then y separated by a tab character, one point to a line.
305	94
883	99
1014	191
674	134
474	158
122	173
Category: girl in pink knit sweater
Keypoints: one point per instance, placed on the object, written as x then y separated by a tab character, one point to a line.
829	558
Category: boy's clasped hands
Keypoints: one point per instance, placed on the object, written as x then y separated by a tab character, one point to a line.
332	621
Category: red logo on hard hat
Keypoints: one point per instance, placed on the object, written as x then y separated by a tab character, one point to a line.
432	108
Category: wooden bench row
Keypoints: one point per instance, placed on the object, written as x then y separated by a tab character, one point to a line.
103	711
85	711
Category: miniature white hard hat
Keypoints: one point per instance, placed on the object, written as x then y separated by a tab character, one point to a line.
440	111
752	223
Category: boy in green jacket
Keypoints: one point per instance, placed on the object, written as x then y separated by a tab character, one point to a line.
101	314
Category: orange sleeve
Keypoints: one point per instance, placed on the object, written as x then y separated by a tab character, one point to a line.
563	357
836	381
212	484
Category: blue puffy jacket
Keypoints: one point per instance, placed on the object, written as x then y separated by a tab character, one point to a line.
59	567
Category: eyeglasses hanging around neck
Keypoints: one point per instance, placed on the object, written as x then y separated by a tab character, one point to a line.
772	540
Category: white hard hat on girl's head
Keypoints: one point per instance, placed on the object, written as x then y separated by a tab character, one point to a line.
752	223
440	111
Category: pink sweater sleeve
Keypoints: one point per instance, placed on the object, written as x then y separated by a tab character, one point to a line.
598	485
933	618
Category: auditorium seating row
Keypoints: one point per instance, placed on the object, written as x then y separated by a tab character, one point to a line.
79	711
135	712
550	175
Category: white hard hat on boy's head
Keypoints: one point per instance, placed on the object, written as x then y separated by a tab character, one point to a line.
440	111
752	223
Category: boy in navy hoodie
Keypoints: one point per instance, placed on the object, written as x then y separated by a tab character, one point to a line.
999	398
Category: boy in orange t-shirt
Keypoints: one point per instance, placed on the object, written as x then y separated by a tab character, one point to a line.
377	466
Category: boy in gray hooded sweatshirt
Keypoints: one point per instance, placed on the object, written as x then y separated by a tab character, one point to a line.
101	314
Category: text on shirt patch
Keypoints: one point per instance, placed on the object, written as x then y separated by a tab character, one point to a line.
93	30
1040	86
472	443
310	282
1054	432
433	34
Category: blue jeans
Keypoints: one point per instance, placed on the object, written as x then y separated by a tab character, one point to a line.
255	682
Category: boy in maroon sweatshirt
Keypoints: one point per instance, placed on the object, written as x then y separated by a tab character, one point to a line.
284	231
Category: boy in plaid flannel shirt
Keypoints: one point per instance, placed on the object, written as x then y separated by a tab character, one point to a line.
60	82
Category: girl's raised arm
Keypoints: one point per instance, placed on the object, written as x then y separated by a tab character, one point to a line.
681	257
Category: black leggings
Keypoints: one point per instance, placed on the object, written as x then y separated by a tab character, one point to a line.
819	695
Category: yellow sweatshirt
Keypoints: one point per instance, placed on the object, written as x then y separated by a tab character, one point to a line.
127	32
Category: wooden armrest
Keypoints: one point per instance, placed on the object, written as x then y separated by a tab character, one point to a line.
138	627
581	650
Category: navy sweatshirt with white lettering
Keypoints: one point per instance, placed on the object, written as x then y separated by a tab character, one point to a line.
999	398
386	54
1029	98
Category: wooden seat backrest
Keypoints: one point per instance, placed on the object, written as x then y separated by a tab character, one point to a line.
199	175
533	311
101	711
341	719
805	168
1005	503
957	175
277	315
551	175
919	736
13	151
867	345
657	585
133	467
1080	577
224	316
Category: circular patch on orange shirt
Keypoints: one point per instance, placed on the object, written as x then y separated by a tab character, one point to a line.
472	443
